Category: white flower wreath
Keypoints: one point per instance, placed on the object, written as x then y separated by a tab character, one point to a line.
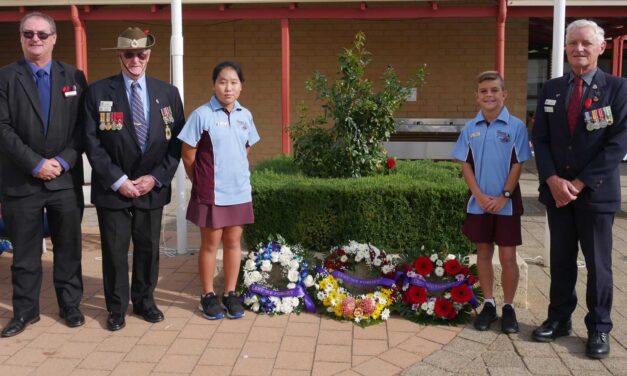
258	293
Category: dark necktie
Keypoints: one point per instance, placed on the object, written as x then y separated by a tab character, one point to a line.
43	89
139	121
574	104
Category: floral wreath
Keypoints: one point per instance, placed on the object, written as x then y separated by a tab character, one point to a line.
257	292
437	289
336	301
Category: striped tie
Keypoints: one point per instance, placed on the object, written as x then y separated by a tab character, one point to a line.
141	128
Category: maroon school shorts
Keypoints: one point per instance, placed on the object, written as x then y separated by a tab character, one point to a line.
504	230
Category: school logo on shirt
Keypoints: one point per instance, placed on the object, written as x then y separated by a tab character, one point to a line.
242	124
504	137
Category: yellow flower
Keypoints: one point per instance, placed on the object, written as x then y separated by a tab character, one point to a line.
338	310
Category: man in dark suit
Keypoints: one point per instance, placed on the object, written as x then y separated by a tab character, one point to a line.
580	137
41	164
131	124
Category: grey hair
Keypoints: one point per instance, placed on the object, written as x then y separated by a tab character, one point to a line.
47	18
599	33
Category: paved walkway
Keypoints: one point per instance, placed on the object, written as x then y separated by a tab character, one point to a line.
185	343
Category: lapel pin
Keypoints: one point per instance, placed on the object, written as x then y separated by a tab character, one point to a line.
157	100
594	86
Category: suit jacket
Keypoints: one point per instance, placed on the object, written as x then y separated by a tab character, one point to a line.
592	156
114	153
22	140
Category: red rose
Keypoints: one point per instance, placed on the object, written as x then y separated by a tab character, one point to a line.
465	270
328	264
341	252
452	267
423	265
587	103
391	162
443	307
415	295
451	316
461	293
472	280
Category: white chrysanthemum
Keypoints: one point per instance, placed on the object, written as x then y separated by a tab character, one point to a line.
266	266
377	262
295	302
275	257
309	281
357	318
276	301
430	312
286	307
431	305
439	271
252	255
291	285
250	265
383	301
434	257
358	257
247	280
321	295
424	306
439	263
450	257
387	269
385	314
255	276
344	258
250	300
294	264
328	288
293	275
255	307
447	295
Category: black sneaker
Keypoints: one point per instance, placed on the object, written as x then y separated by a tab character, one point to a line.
486	317
509	324
233	306
210	307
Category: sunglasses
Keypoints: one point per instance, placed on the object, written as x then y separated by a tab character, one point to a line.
40	34
140	55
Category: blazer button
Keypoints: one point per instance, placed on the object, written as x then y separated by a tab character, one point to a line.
570	147
568	167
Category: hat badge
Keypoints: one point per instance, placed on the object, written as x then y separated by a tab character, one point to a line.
134	43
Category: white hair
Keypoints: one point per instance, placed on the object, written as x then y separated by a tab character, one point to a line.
599	33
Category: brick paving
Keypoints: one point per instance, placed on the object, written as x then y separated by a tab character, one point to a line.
187	344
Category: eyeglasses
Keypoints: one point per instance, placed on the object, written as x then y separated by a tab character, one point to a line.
140	55
28	34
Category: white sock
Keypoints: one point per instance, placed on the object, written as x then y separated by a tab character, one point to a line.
490	301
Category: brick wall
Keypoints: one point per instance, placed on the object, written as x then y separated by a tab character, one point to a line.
455	51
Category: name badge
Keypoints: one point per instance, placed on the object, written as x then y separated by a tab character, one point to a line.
475	134
550	102
548	109
105	106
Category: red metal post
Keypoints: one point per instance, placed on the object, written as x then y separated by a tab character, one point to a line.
285	86
80	40
500	38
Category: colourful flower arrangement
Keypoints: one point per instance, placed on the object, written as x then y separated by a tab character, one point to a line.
437	289
257	292
334	299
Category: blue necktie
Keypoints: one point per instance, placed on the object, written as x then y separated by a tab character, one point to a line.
43	88
139	121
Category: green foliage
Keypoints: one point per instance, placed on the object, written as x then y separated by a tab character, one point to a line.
421	204
362	119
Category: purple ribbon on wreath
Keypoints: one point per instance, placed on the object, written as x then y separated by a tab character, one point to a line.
296	292
387	282
438	286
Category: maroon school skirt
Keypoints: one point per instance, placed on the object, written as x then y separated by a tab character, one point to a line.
490	228
214	216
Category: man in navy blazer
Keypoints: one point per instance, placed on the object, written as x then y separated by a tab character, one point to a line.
131	124
41	164
580	138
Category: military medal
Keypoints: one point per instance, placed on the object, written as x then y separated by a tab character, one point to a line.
166	115
589	124
608	115
602	117
108	124
595	117
102	121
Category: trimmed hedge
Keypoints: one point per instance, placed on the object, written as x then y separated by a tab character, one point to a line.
421	203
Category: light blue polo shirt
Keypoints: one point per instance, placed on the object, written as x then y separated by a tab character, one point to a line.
491	147
229	134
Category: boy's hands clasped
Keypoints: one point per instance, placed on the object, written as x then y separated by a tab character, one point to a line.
491	204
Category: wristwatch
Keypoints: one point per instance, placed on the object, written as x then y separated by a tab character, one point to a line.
507	194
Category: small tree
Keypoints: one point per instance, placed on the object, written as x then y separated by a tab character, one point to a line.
362	119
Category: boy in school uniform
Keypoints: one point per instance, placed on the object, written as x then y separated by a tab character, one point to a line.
492	148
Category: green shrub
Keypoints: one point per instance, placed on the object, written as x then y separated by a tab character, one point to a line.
421	203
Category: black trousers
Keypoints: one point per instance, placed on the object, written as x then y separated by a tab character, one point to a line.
23	217
570	226
117	227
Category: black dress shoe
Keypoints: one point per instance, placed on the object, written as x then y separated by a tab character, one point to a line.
17	326
549	330
115	321
509	324
73	316
152	314
598	345
485	318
